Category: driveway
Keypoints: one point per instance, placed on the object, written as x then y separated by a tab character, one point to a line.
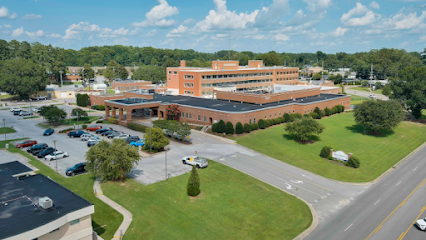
364	93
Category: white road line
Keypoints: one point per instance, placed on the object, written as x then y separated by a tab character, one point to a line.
303	175
177	153
415	169
377	202
297	186
348	227
398	183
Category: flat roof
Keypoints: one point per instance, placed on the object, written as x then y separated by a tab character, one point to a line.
238	69
224	105
22	213
15	167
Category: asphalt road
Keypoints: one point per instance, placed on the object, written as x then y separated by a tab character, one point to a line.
364	93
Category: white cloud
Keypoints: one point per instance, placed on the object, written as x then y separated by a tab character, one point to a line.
168	41
281	37
339	32
300	22
422	38
156	16
4	12
272	15
74	30
403	21
31	17
188	21
375	5
17	32
369	17
317	5
372	31
404	44
7	25
13	16
259	37
177	31
55	35
322	43
109	33
201	39
38	33
151	33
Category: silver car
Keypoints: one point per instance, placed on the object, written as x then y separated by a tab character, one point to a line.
197	161
25	113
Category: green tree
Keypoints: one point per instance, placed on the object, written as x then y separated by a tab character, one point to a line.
378	114
247	128
22	77
55	115
111	161
325	152
214	127
83	100
88	71
317	76
409	89
354	162
229	129
327	111
271	59
172	126
221	126
304	128
155	137
318	112
150	73
161	123
115	70
193	186
339	79
183	130
78	112
332	78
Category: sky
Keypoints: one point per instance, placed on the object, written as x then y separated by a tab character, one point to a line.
212	25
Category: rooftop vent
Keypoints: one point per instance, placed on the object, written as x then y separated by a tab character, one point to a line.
45	202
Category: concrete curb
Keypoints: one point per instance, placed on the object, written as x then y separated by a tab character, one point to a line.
127	216
220	138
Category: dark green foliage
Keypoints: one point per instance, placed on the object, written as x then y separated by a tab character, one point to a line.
221	127
262	124
327	111
288	118
254	126
137	127
378	114
378	85
304	128
214	127
79	113
325	152
151	73
160	123
330	157
54	115
318	112
115	70
297	116
83	100
313	115
267	123
281	119
354	162
323	113
94	107
338	79
364	83
84	126
99	121
247	128
229	128
342	108
239	128
334	110
193	186
101	107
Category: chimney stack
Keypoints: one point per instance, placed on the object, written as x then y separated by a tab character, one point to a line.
182	63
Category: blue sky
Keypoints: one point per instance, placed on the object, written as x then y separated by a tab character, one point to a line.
259	26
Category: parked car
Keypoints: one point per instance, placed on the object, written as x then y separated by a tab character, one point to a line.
137	143
46	152
15	109
372	96
76	169
86	136
17	112
25	113
132	139
92	141
122	136
37	151
37	146
36	110
39	97
71	131
56	155
114	134
27	143
108	132
77	133
93	127
48	132
102	130
197	161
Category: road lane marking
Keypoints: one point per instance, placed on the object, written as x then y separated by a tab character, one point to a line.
297	181
328	189
303	175
348	227
377	202
298	186
378	228
398	183
415	169
408	229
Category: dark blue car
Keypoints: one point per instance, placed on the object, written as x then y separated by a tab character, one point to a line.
48	132
76	169
74	134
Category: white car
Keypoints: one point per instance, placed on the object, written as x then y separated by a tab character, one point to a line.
36	110
86	136
15	109
421	223
122	136
372	96
56	155
25	113
197	161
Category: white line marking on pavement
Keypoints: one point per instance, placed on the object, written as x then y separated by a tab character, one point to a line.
348	227
288	186
222	159
415	169
297	181
377	202
303	175
398	183
298	187
177	153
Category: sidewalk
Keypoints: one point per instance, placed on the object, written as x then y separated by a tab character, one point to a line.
127	216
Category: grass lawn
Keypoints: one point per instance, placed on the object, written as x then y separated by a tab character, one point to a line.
357	99
366	89
110	91
376	153
90	111
67	122
232	205
105	220
31	117
7	130
8	96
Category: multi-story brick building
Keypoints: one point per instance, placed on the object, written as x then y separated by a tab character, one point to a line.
201	82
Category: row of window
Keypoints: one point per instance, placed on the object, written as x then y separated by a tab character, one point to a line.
189	115
188	84
191	93
175	73
289	72
236	75
288	78
127	88
236	83
188	76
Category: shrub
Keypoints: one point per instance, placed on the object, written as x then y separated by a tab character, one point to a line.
262	124
342	108
288	118
309	115
113	120
193	186
66	130
221	127
330	158
282	120
327	111
364	83
267	123
247	128
323	113
325	152
334	110
229	128
239	128
99	121
254	126
318	112
297	116
94	107
84	126
101	107
137	127
88	122
214	127
353	162
314	115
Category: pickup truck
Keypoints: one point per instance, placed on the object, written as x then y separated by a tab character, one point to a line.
74	134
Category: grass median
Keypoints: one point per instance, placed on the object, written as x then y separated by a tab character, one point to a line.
105	220
376	153
366	89
232	205
6	130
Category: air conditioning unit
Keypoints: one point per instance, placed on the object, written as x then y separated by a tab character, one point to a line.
45	202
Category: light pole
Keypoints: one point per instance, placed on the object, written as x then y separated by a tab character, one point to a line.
150	129
60	74
4	129
56	160
166	149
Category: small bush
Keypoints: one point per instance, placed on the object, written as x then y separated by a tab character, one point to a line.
282	120
288	118
334	110
325	152
247	128
267	123
94	107
297	116
214	127
137	127
113	120
254	126
327	111
342	108
229	128
353	162
364	83
314	115
84	126
239	128
99	121
101	107
318	112
323	113
330	158
262	124
221	127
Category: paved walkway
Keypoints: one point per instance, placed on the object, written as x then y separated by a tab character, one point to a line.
127	216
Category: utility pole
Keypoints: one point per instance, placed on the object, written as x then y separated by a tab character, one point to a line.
322	72
284	63
113	73
294	64
60	75
371	75
4	129
56	160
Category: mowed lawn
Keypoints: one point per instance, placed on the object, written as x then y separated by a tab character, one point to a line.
366	89
232	205
376	153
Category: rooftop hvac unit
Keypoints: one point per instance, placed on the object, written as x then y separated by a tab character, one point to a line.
45	202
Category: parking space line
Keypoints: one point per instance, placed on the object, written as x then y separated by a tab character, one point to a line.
297	185
408	229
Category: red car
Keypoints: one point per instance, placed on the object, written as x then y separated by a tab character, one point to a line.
27	143
71	131
93	127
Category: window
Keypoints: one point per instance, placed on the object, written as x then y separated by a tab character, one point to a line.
182	114
254	120
133	87
175	73
74	222
199	118
190	116
187	115
127	88
137	87
250	121
170	72
205	119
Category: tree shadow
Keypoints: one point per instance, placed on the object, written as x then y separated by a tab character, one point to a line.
312	139
361	129
97	228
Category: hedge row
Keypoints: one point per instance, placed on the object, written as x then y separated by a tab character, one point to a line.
98	107
137	127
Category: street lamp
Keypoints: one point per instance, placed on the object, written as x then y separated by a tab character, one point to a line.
60	74
150	129
56	160
4	129
166	149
